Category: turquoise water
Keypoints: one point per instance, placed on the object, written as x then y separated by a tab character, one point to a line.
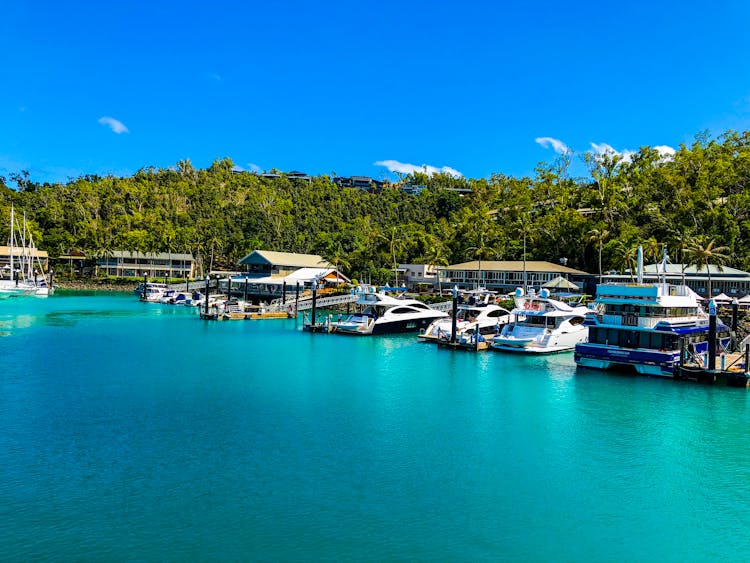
136	431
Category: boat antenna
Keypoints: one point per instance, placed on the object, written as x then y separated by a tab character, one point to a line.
640	265
664	264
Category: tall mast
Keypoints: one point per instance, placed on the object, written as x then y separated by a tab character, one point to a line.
10	242
26	267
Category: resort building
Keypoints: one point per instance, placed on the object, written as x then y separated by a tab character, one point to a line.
730	281
125	264
270	263
37	256
507	275
414	275
269	274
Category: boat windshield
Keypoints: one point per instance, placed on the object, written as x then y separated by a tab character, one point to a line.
467	314
542	321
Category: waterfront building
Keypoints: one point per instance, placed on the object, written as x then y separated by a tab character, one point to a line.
38	256
731	281
415	275
507	275
267	273
124	264
271	263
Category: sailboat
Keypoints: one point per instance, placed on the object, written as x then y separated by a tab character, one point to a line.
24	270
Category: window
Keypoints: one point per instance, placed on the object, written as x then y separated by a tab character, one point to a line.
401	310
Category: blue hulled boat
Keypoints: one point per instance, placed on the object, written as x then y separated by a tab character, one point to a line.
646	326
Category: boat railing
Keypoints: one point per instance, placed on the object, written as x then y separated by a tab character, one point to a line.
640	322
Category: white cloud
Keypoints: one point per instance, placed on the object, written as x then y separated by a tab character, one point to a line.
254	168
604	149
114	124
557	145
665	151
404	168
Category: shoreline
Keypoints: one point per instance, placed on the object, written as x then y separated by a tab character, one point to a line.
78	285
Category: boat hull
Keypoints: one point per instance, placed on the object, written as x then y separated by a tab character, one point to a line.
397	326
546	344
660	363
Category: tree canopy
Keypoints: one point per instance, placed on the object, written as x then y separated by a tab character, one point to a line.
701	193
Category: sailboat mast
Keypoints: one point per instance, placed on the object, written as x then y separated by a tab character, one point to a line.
26	253
10	242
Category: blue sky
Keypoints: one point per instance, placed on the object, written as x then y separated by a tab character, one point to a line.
470	87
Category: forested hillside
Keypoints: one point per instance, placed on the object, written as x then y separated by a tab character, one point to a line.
697	202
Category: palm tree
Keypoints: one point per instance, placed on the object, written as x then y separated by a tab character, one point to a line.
481	250
598	236
652	249
395	244
335	256
436	256
678	239
627	257
702	251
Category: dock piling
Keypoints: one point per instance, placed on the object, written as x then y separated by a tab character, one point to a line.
206	296
712	335
314	299
296	300
454	314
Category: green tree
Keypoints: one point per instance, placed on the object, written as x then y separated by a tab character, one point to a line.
704	252
597	237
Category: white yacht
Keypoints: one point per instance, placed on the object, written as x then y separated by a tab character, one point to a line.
151	291
543	325
478	314
384	314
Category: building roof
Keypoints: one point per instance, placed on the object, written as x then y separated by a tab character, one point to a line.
151	255
302	275
273	258
21	251
693	270
516	266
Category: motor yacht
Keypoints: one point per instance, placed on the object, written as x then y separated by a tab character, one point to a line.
543	325
385	314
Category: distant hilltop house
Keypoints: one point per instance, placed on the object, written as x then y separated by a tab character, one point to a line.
270	273
360	182
364	183
729	281
123	263
507	275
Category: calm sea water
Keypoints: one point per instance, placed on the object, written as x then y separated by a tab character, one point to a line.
131	431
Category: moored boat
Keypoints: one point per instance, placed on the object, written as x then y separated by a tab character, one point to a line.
384	314
645	327
542	325
480	314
